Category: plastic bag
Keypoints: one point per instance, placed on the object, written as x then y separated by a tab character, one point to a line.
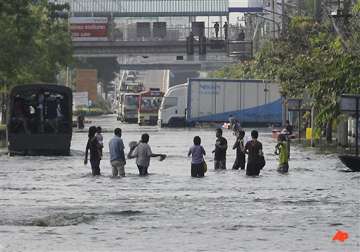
205	167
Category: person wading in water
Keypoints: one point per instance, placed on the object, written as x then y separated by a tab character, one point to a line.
255	155
95	151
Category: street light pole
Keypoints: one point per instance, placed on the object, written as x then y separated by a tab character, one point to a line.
357	126
283	16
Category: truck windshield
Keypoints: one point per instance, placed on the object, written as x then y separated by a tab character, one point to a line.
131	100
169	102
150	103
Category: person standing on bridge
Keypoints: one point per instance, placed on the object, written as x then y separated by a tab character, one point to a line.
216	28
226	30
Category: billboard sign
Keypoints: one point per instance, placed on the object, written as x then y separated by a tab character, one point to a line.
350	103
246	6
80	99
89	28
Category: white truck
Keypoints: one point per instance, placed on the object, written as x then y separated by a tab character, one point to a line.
252	102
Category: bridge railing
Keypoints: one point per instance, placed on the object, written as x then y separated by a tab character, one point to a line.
146	8
128	32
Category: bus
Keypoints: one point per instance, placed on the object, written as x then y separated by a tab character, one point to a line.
39	120
128	107
149	104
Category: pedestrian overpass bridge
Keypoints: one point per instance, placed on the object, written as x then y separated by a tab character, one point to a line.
140	40
146	8
117	52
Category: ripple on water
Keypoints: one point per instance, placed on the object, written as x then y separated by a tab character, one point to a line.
53	220
125	212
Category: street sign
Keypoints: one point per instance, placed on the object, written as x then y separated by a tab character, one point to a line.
294	104
351	104
348	103
80	99
89	28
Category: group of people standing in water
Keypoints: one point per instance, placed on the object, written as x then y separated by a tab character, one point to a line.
142	152
252	148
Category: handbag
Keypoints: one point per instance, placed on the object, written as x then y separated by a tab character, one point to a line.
204	166
262	161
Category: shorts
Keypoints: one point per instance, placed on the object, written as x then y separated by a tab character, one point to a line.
118	167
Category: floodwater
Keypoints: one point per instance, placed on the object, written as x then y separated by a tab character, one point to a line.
54	204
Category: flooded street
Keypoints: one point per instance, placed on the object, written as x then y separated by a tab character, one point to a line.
54	204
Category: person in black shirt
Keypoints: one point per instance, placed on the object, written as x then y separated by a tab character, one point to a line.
220	151
255	155
95	151
289	128
216	28
240	151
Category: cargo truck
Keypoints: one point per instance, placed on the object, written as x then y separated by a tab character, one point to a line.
253	102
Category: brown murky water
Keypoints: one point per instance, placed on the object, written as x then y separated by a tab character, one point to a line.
54	204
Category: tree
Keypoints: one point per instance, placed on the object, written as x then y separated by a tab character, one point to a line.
310	61
35	42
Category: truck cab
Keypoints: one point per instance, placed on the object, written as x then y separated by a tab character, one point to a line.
148	107
128	107
172	111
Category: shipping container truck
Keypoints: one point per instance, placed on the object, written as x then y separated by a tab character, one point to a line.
253	102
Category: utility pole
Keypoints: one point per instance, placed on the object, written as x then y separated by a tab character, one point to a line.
273	18
283	17
317	9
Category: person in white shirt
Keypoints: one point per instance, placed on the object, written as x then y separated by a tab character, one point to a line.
142	152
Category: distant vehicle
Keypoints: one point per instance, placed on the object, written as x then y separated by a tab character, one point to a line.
172	111
149	104
131	76
40	120
132	87
252	102
128	107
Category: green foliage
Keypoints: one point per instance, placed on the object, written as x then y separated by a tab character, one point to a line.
34	42
309	62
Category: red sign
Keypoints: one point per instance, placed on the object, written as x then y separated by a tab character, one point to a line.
89	29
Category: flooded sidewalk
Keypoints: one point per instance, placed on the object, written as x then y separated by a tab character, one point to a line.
54	204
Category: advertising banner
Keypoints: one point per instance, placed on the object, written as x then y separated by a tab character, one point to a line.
89	28
246	6
80	99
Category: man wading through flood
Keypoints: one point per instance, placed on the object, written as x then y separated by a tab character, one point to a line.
220	151
256	159
117	155
142	152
